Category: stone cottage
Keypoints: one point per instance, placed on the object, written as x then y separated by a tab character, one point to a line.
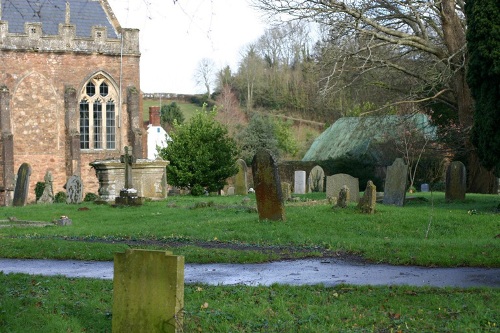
69	90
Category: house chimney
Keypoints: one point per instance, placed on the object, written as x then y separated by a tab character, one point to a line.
154	115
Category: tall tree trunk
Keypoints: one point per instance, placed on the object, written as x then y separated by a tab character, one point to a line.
479	180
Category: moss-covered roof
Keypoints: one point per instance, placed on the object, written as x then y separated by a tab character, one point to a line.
358	136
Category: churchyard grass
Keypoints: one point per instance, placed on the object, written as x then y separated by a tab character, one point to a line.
188	109
426	232
58	304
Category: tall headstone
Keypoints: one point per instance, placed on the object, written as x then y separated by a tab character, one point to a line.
267	186
335	183
299	184
148	292
369	200
344	197
48	190
316	179
240	179
74	190
456	181
395	183
22	185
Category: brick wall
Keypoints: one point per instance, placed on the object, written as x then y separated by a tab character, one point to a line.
36	82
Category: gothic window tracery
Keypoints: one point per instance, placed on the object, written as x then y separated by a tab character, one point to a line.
98	115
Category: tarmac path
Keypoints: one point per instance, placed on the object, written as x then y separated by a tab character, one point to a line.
326	271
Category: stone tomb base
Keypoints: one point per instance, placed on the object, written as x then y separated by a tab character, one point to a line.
149	178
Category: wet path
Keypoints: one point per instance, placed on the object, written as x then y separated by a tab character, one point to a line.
328	271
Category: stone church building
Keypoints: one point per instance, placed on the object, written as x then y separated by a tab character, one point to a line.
69	90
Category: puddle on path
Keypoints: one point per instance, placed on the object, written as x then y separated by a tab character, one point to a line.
329	272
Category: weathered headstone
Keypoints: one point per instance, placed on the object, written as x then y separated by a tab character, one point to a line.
230	190
424	187
335	183
48	191
316	179
148	292
267	185
456	181
240	179
286	190
74	190
128	195
344	197
22	185
369	200
395	183
299	184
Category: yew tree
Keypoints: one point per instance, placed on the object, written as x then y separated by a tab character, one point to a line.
422	41
483	76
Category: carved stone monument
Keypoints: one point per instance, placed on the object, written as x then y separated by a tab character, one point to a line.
344	197
267	185
48	191
369	200
335	183
299	185
240	179
128	195
74	190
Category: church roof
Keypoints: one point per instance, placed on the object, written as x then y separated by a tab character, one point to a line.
83	14
358	136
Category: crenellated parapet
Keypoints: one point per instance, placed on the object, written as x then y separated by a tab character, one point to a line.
66	40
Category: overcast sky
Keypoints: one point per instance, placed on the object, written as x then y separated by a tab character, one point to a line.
175	37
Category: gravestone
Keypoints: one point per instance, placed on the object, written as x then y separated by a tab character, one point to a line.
316	179
344	197
240	179
128	195
22	185
230	190
424	187
335	183
74	190
267	186
286	190
48	191
148	291
395	183
456	181
299	185
368	201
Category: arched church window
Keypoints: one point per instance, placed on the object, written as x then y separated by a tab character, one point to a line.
98	115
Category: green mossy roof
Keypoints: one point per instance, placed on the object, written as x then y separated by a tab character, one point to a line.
358	136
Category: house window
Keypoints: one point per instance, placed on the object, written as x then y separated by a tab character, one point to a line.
98	115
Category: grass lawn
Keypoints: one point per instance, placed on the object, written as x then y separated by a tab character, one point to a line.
188	109
428	232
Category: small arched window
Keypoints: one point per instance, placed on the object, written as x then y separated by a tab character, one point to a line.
98	115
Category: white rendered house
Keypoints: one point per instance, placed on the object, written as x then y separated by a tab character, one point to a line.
157	136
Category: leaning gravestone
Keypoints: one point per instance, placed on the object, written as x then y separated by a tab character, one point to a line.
456	181
368	201
286	190
316	179
240	179
267	185
74	190
148	292
344	197
299	185
48	190
335	183
22	185
395	183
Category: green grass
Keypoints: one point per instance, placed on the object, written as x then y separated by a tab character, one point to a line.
58	304
460	234
188	109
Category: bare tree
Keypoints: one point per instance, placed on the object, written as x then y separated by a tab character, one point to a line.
204	74
400	36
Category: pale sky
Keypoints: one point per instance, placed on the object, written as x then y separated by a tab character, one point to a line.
175	37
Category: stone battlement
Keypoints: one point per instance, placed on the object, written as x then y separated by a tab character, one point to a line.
66	41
